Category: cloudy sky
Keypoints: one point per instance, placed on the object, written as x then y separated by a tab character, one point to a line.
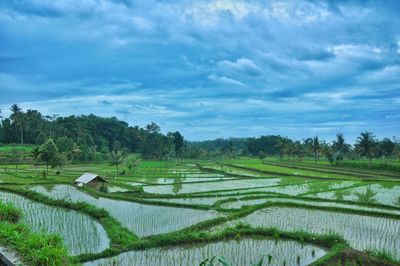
223	68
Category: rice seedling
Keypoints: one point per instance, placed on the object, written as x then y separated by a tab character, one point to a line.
362	232
210	200
34	248
397	201
80	233
243	252
206	187
141	219
372	193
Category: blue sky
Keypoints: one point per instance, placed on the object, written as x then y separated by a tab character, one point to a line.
224	68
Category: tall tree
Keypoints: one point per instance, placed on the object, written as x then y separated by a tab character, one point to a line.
48	153
386	147
36	155
19	120
315	147
366	145
340	148
117	157
177	139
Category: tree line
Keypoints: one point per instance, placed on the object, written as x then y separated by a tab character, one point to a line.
88	138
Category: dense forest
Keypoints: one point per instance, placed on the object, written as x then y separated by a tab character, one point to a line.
89	138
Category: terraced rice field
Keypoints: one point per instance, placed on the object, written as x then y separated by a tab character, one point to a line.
374	193
205	187
363	233
141	219
365	212
80	233
240	203
243	252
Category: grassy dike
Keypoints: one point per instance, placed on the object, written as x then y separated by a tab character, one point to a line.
33	248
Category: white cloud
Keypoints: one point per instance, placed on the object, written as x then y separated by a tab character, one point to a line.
208	13
398	47
242	65
297	12
226	80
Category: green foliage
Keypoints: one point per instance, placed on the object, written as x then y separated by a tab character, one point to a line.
65	144
48	152
9	213
367	196
385	256
34	248
132	161
177	139
117	157
211	262
366	145
36	155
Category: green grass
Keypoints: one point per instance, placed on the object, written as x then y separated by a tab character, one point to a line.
8	148
34	248
9	213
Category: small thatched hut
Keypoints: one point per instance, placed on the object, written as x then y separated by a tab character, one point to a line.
90	179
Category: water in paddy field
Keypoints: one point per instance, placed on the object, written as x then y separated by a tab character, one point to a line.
382	195
205	187
80	233
141	219
362	232
240	203
242	252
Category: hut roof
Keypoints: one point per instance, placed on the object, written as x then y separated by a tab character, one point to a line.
87	177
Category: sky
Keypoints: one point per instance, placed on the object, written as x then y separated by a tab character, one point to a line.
210	69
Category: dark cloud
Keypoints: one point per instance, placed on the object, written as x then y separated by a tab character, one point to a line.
235	67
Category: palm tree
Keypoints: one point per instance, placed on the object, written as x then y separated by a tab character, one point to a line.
36	155
15	110
281	145
366	145
315	147
18	118
117	157
340	147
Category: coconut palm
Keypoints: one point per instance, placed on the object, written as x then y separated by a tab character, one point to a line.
340	148
315	147
117	157
366	145
19	120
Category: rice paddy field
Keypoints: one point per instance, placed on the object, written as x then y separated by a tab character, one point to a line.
163	213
